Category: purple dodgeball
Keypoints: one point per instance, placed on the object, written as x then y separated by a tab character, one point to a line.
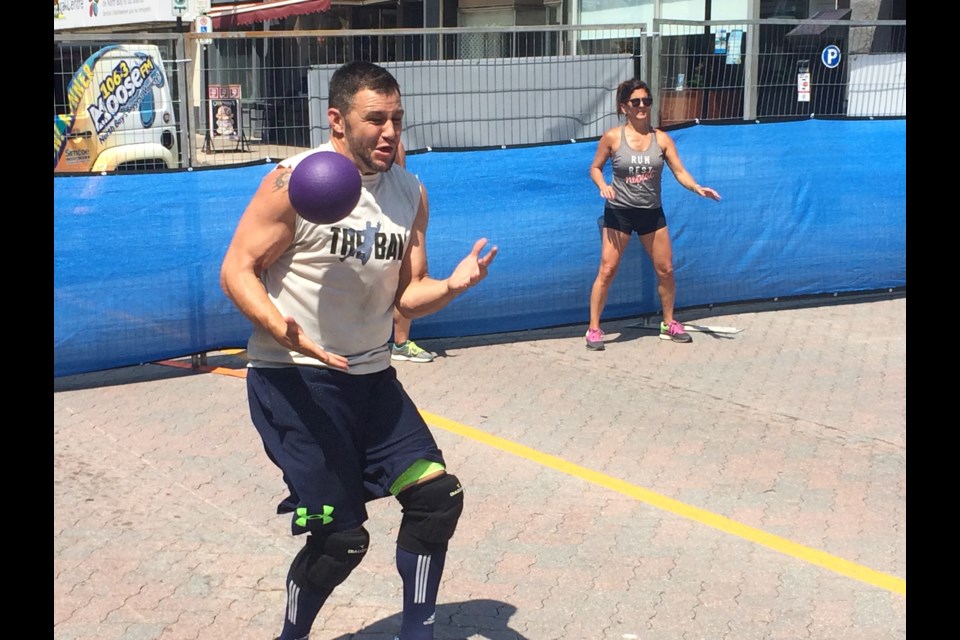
324	187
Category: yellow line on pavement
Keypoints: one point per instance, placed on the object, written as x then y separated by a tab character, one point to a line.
722	523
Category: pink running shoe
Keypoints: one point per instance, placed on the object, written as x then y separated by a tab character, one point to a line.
674	331
595	340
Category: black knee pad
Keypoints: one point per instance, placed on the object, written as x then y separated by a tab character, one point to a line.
326	561
430	514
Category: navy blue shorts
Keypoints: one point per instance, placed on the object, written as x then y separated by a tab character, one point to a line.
340	440
641	221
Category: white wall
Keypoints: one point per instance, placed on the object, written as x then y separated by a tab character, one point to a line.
877	85
644	11
731	10
617	12
496	101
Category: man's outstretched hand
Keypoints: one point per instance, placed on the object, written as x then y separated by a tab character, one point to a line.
471	269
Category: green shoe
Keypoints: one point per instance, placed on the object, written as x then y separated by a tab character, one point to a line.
410	352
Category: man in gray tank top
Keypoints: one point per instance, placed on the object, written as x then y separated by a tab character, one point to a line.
322	392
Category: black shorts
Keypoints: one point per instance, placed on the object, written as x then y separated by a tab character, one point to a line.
341	440
643	221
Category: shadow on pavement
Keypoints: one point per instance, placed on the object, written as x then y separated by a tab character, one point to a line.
455	621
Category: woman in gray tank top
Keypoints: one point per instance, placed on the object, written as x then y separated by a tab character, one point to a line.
637	152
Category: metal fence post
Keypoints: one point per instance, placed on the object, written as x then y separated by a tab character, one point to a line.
750	71
186	144
654	79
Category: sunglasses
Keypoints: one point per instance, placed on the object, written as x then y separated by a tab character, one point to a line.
636	102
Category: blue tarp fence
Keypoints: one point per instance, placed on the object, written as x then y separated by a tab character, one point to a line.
809	207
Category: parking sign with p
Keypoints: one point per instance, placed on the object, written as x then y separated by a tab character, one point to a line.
830	56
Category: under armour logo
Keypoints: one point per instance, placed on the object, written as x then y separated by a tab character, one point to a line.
324	518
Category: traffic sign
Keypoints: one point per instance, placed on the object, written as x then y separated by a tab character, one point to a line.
179	7
204	24
803	87
830	56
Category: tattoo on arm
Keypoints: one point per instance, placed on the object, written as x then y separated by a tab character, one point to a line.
281	182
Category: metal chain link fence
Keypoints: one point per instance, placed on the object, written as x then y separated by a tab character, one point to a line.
243	97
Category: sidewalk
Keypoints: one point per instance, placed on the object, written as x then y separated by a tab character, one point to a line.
740	488
228	153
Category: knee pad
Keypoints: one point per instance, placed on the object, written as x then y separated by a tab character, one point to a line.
430	514
324	562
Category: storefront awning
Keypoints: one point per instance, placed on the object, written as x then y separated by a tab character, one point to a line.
238	15
818	29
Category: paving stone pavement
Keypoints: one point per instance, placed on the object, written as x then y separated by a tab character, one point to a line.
746	487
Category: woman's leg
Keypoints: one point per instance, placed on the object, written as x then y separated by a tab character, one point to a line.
614	244
657	245
401	327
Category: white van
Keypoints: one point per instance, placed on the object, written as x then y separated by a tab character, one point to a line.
119	114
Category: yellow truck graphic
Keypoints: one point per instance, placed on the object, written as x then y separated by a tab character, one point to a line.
120	114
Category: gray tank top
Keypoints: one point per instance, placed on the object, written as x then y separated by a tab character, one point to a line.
636	174
339	280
